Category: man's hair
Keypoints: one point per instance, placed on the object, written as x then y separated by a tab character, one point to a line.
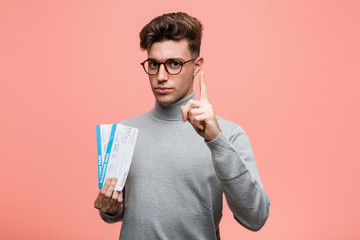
173	26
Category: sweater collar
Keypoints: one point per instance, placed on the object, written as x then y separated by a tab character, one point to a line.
171	111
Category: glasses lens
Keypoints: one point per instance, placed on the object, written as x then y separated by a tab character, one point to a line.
151	67
173	66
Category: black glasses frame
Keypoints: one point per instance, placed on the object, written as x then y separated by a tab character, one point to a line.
164	63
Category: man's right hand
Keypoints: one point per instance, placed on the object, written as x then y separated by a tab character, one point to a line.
109	201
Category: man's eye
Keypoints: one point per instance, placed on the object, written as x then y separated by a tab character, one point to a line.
153	64
174	64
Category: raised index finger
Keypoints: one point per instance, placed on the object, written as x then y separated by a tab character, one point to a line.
203	92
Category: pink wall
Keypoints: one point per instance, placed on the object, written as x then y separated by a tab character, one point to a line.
287	71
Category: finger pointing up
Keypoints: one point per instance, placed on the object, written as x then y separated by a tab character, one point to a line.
203	92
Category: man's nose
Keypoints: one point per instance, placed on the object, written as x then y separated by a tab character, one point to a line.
162	74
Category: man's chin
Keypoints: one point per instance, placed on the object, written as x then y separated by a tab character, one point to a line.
165	98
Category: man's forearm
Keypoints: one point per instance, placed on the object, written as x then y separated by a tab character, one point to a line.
236	169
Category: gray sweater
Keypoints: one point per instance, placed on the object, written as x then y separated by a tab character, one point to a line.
176	179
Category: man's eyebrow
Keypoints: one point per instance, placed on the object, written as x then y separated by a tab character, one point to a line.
172	58
152	59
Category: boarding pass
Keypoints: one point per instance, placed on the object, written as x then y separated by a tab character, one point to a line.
115	148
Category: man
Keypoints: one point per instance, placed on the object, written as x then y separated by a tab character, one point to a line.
185	157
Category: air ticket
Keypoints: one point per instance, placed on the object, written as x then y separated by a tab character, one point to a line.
115	148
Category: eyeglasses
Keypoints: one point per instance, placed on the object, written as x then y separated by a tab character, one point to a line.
172	66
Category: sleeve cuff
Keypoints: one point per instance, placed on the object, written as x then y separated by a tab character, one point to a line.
112	218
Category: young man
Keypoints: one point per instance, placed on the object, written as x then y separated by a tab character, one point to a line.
185	157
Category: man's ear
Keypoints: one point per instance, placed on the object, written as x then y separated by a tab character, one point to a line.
198	64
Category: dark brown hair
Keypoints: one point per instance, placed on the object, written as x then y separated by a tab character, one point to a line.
173	26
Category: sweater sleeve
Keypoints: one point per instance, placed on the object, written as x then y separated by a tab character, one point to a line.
112	218
236	169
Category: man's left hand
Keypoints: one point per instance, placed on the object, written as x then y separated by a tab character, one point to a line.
201	115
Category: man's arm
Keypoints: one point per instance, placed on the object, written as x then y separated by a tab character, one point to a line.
233	161
235	166
110	202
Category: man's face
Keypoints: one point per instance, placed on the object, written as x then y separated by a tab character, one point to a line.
169	88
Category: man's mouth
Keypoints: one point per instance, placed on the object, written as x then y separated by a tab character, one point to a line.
162	90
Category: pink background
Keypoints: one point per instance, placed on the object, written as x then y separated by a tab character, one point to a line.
286	71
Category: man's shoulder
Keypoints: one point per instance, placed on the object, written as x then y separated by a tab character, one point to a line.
137	120
230	128
227	124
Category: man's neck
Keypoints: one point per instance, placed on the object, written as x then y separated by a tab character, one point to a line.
172	111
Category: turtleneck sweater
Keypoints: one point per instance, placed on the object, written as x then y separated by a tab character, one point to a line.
176	179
